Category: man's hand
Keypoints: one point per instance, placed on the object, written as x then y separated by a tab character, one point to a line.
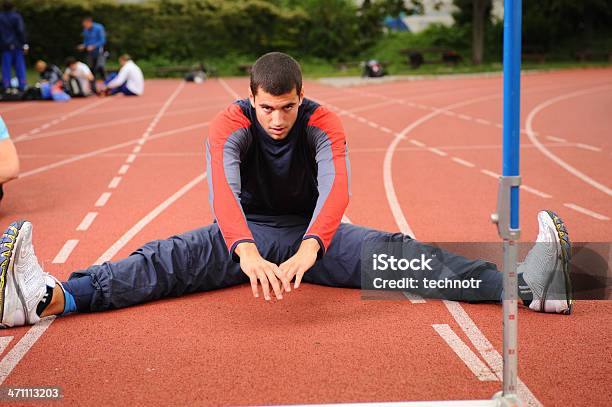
80	47
258	268
301	262
90	48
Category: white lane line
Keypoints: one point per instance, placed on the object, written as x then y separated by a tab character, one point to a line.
130	120
588	147
416	143
535	191
586	211
13	357
94	153
65	251
64	117
361	119
464	117
124	168
556	139
487	350
372	124
114	182
130	158
440	403
483	121
490	173
228	88
87	221
127	236
4	342
438	151
386	129
463	162
471	360
464	321
103	199
137	149
396	209
556	159
370	106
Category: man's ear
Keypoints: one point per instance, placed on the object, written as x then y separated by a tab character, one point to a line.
301	94
251	98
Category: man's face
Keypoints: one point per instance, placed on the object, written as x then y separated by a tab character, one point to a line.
276	114
87	24
122	61
41	66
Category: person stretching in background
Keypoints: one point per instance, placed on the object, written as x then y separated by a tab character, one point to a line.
129	80
77	77
9	162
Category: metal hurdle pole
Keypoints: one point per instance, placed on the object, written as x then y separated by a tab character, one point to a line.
507	215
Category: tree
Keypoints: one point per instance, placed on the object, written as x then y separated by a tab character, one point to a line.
478	14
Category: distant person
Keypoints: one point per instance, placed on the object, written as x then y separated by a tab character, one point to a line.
9	162
77	78
51	83
94	39
48	73
13	45
129	80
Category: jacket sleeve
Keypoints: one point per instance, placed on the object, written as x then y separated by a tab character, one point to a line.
333	175
120	78
229	138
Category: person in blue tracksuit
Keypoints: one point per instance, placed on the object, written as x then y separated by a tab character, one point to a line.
13	45
94	40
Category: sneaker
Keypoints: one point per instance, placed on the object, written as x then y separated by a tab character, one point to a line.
23	284
546	267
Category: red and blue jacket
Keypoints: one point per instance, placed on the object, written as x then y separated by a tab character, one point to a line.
305	174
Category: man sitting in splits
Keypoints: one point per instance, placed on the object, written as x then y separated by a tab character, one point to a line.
278	175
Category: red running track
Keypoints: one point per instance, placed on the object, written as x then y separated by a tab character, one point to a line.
424	155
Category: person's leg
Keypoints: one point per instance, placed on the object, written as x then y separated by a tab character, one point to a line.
194	261
7	64
92	62
20	69
342	265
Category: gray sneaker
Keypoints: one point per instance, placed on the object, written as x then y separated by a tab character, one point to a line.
546	267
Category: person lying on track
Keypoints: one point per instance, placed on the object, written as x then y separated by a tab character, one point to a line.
278	174
9	162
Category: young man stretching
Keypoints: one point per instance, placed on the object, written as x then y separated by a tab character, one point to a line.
278	175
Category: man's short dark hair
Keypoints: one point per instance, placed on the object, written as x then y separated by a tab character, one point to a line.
87	18
70	61
276	73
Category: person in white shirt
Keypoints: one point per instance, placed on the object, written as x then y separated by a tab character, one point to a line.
78	77
129	80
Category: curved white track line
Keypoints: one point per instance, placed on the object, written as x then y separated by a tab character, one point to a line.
492	357
400	219
532	136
